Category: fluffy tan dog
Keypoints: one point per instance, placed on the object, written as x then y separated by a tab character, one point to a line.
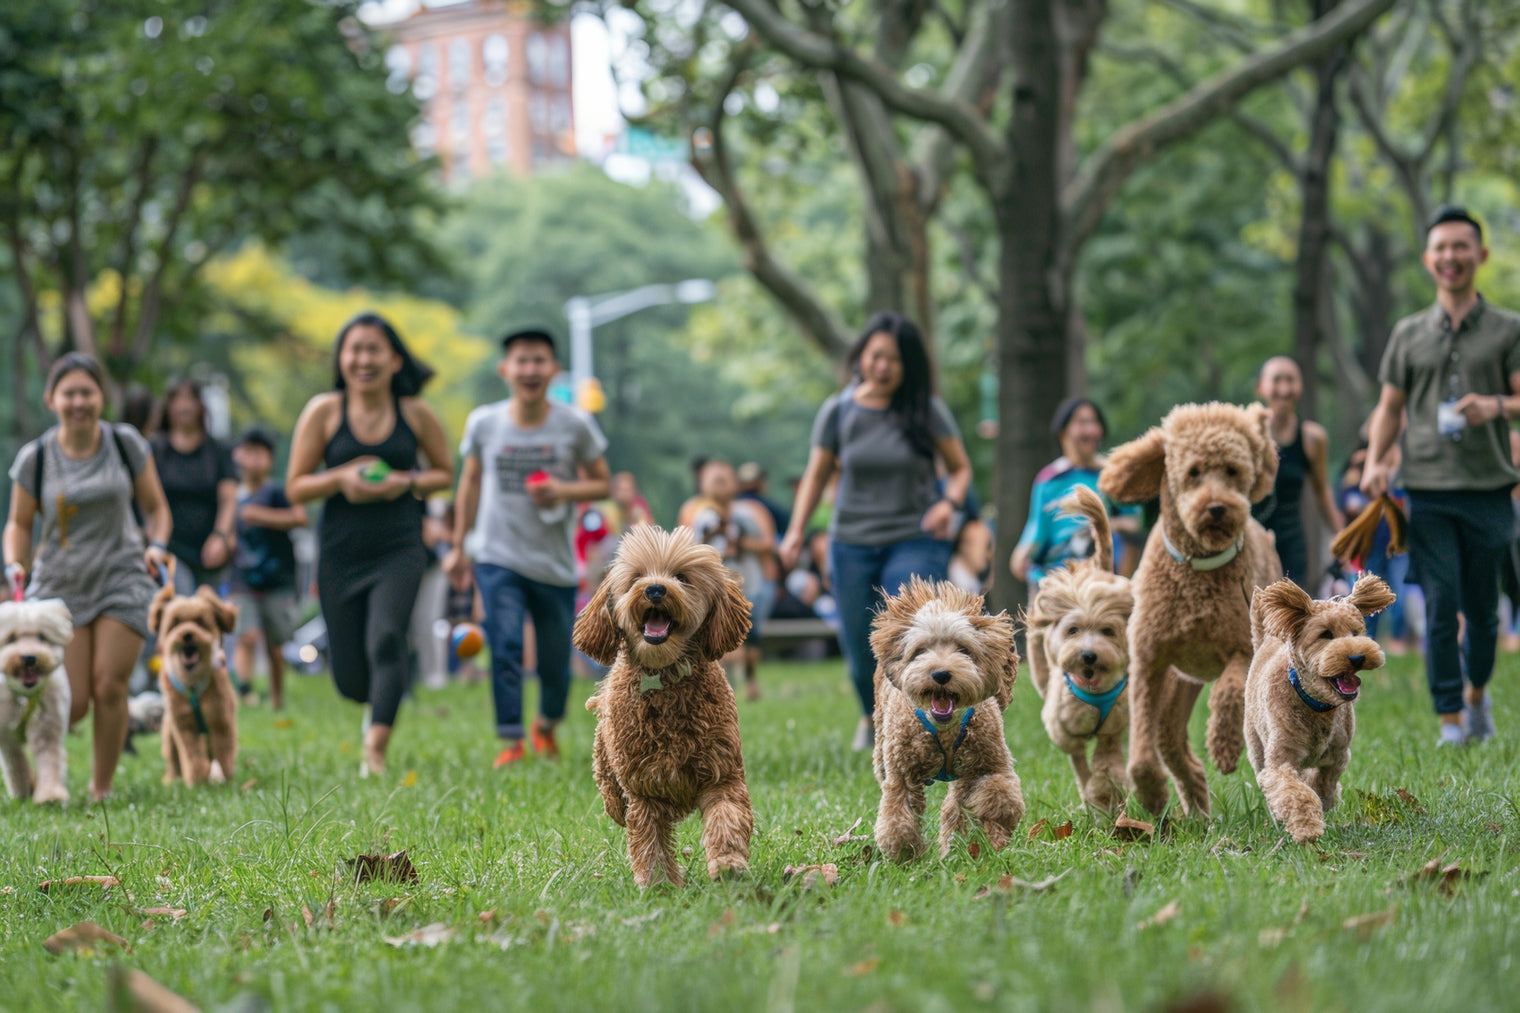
1299	695
944	676
1077	627
667	730
34	696
200	706
1192	618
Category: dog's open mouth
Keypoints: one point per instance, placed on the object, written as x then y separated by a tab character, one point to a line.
29	676
941	705
1348	685
190	655
656	627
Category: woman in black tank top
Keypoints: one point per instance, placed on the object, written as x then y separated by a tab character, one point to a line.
1302	453
368	433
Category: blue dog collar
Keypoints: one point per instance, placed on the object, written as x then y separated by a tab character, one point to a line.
1103	701
944	770
1298	687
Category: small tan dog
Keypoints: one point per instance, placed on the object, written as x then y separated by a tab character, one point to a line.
1192	621
200	705
34	697
667	730
1078	625
944	676
1299	695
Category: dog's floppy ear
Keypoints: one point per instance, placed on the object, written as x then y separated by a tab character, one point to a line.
224	614
156	610
1133	472
1283	607
596	632
1266	452
997	633
1370	595
57	623
728	622
885	629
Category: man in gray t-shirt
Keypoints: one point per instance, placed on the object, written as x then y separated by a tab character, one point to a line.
527	462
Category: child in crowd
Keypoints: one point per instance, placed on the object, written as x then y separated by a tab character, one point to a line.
264	566
742	542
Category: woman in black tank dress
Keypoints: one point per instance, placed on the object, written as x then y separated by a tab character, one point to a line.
367	433
1302	452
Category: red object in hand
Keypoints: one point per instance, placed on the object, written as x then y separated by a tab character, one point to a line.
538	478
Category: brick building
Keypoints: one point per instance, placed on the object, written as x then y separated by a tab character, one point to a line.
494	84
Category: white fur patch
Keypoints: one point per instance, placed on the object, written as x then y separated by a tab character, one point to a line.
935	623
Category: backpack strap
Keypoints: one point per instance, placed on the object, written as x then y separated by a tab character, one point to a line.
126	462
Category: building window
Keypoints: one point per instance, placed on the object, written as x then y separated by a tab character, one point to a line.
559	61
538	112
538	58
496	150
425	139
560	117
459	127
425	86
398	64
494	55
494	123
459	64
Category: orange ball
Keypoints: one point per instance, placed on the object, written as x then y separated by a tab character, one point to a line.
467	640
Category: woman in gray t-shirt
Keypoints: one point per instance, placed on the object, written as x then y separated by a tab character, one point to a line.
91	553
886	435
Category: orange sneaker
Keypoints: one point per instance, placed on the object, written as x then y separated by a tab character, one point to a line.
511	754
542	737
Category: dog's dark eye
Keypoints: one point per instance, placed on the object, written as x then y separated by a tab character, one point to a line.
1193	472
1108	631
1231	471
1071	631
680	578
1327	635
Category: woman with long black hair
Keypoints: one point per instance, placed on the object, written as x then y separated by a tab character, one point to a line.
372	433
886	434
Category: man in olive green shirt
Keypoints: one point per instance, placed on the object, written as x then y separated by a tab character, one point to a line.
1455	368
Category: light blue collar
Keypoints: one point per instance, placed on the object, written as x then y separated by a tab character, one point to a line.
1298	687
945	773
1103	701
194	696
1213	562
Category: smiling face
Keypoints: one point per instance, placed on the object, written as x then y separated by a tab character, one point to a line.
1327	640
1083	434
77	400
528	366
881	363
366	359
185	410
33	635
1453	254
1280	384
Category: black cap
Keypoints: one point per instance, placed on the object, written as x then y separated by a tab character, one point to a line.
257	436
1454	213
527	334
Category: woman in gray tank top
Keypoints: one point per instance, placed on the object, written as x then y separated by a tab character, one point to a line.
92	553
885	435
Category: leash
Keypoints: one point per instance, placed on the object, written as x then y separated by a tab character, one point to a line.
15	575
1298	687
949	757
32	703
1103	701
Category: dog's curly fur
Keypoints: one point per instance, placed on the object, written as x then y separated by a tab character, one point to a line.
667	730
1298	753
1077	625
33	635
189	630
937	652
1208	463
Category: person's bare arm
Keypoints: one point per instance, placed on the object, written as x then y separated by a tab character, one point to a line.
466	502
594	481
157	521
18	527
217	549
940	517
439	474
1317	450
275	518
1383	431
820	468
303	482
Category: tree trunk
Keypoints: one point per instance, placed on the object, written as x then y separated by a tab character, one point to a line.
1031	323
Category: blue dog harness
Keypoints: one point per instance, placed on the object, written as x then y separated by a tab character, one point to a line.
1103	701
945	773
194	696
1298	687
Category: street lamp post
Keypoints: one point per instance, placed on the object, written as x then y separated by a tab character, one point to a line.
587	312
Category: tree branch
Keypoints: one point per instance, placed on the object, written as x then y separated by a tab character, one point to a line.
133	219
813	50
972	78
147	310
1088	195
1404	166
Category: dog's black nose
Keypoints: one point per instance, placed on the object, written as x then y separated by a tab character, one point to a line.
29	661
1356	659
655	592
1088	657
941	676
1216	512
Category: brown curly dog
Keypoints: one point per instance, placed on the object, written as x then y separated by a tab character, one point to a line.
200	706
667	730
1299	695
944	676
1204	557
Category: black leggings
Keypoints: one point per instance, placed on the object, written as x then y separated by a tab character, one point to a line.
367	617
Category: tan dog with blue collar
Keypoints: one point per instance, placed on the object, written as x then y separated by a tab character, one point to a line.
944	676
200	705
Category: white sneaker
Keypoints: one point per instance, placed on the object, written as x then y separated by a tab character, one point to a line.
865	735
1451	735
1480	719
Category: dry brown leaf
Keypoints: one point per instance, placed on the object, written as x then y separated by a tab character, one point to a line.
850	836
82	936
1365	925
166	912
1063	831
146	925
973	849
389	905
1034	831
428	935
104	882
1166	914
307	916
246	785
395	868
863	968
133	990
1127	829
487	917
1409	800
1445	877
1008	883
897	918
811	874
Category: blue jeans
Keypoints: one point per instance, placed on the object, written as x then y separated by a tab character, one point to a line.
859	574
509	598
1393	570
1456	543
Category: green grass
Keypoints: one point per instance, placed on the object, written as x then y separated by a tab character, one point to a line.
1260	922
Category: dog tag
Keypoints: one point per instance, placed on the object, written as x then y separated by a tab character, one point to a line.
649	681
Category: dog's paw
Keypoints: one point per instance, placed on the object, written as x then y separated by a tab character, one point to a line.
215	775
1150	786
1306	830
721	866
50	793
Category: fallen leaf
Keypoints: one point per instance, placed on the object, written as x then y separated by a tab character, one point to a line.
960	877
410	780
1365	925
1127	829
248	784
428	935
82	936
811	874
863	968
488	917
165	912
850	836
1166	914
1445	877
897	918
133	990
147	925
1063	831
1409	800
973	849
389	905
1009	883
392	868
307	916
104	882
1358	855
1034	831
7	890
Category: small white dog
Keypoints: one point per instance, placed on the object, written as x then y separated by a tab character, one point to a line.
34	697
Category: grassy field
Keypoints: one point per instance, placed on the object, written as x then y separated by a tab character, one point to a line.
526	878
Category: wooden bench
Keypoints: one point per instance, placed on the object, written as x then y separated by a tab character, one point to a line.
784	633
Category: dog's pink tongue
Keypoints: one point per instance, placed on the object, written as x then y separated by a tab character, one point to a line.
942	706
656	627
1348	684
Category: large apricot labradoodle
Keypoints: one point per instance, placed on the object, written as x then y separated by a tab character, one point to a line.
1204	557
944	676
1299	695
667	731
1079	659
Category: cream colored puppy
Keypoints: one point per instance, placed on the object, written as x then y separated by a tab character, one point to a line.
34	697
